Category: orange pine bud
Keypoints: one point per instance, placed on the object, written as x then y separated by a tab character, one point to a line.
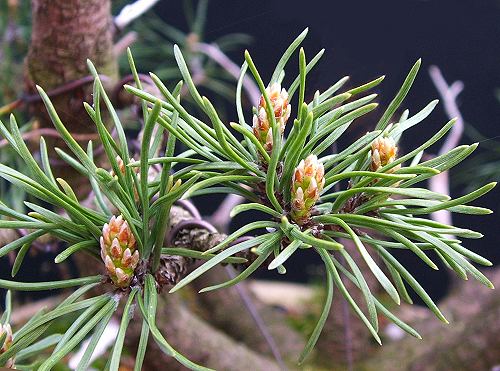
121	166
118	251
383	152
281	108
152	173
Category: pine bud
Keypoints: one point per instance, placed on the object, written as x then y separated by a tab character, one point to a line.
153	170
121	166
118	251
307	183
281	108
383	152
152	173
5	328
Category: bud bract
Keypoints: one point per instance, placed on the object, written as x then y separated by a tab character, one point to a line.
281	108
307	184
118	251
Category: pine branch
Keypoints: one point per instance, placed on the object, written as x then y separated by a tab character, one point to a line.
145	243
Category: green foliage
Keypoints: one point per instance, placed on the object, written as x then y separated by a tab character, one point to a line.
379	210
81	227
389	208
15	27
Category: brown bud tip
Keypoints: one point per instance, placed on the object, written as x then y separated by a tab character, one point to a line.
383	152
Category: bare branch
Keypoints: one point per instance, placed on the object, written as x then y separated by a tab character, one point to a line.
220	218
441	182
35	135
449	94
126	41
131	12
27	311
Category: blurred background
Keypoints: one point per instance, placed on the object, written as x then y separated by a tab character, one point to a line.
363	39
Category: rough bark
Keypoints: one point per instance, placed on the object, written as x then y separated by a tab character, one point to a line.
225	309
65	34
174	268
221	347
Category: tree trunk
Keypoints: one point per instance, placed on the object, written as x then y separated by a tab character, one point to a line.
225	310
65	34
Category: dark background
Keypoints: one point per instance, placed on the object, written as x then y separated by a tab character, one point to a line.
366	39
